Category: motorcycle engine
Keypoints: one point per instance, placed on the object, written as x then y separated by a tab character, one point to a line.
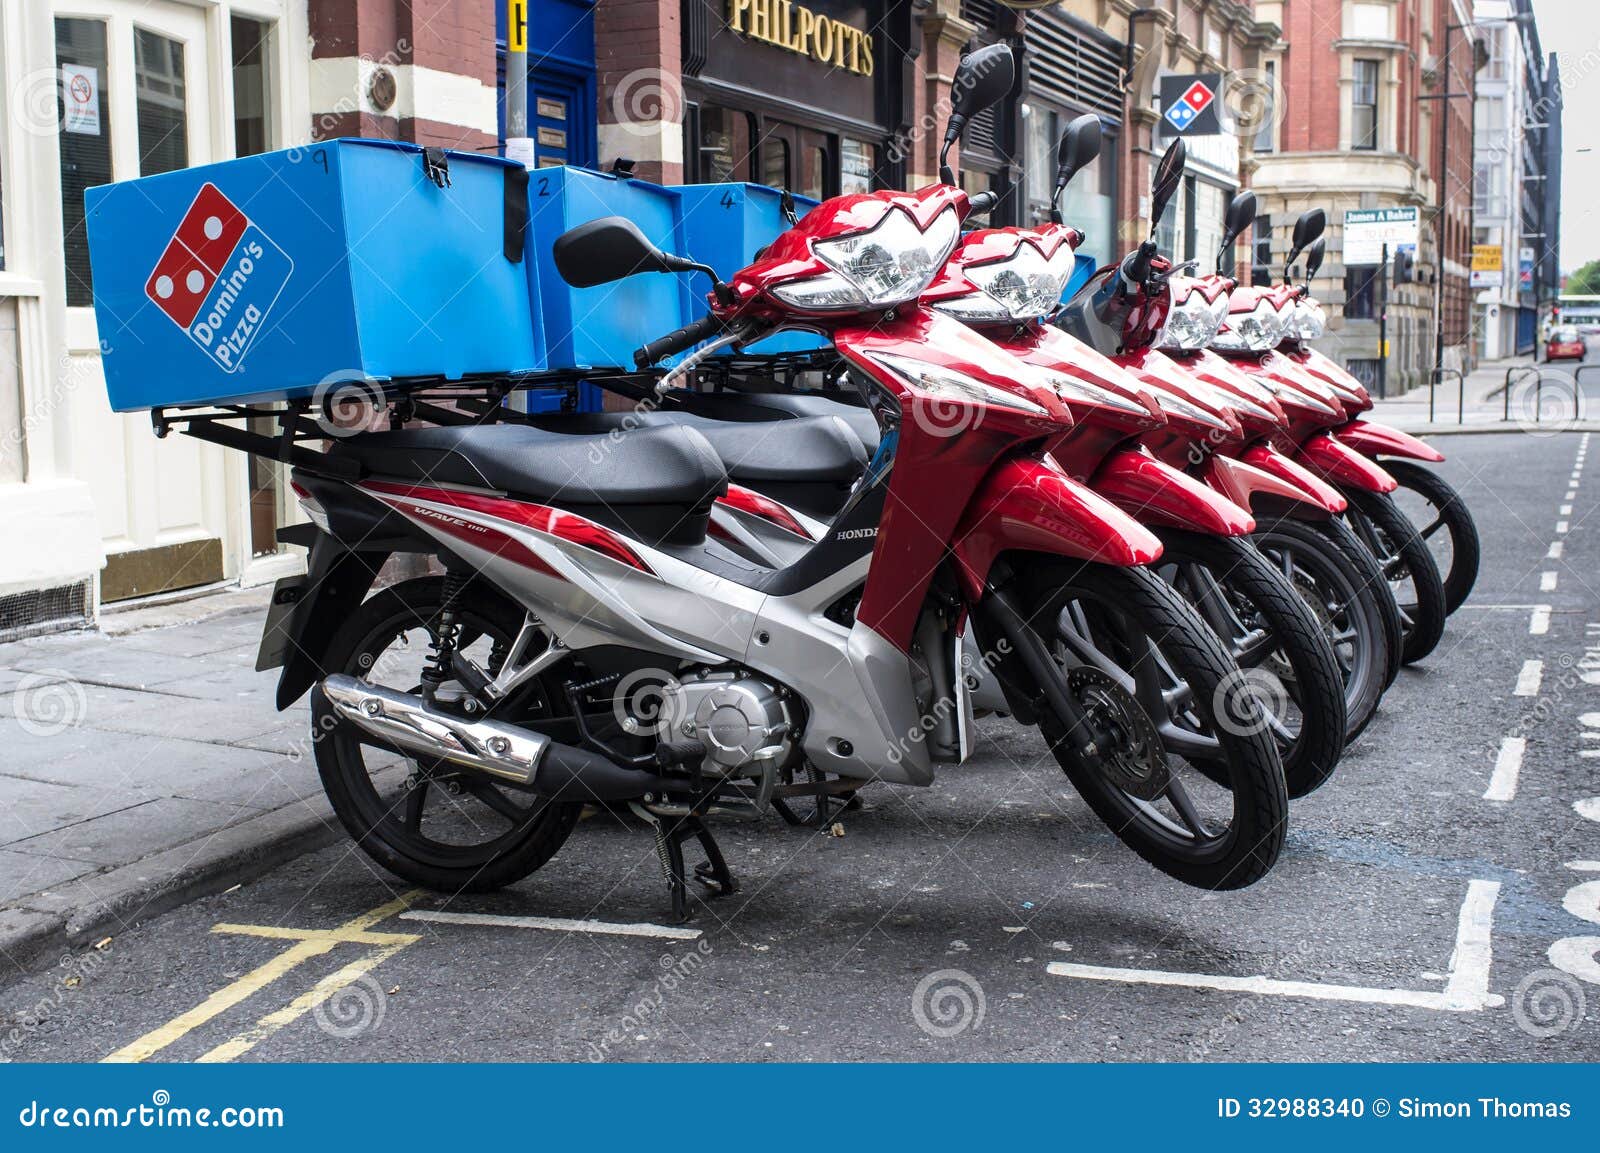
744	722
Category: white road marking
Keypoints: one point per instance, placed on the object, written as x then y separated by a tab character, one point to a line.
1561	526
1466	991
1571	492
1588	808
1528	679
1583	866
1555	552
1547	582
1507	766
1539	621
555	924
1565	510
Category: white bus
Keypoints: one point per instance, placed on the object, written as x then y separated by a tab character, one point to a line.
1583	312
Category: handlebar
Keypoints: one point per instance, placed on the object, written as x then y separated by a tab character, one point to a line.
984	201
674	342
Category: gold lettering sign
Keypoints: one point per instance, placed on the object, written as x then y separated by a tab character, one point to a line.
794	28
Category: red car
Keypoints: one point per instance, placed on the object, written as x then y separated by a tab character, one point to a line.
1565	344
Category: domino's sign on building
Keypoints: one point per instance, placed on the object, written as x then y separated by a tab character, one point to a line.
1189	104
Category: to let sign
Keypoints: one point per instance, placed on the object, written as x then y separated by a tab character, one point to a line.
1367	230
1488	266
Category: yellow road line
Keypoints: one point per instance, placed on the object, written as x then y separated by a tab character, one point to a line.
231	1050
311	943
337	936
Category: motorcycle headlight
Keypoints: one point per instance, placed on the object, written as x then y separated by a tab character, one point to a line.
1258	331
1310	321
1070	389
1026	286
892	262
947	384
1190	325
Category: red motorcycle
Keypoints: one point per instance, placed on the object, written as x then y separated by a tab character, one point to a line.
1258	319
1424	496
1151	321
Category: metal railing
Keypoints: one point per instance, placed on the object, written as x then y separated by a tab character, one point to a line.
1518	372
1461	396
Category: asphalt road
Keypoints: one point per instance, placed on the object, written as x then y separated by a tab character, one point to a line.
991	917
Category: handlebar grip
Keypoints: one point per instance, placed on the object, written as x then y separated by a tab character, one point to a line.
984	201
674	342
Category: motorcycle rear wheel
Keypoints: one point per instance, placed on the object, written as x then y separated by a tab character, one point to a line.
1275	640
1127	629
1444	510
446	829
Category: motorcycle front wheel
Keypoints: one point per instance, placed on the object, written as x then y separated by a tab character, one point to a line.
1276	641
1162	686
445	828
1409	567
1343	588
1429	500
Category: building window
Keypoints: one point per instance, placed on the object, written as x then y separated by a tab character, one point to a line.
1264	141
1261	253
858	159
85	141
160	103
725	145
1364	106
1361	292
252	86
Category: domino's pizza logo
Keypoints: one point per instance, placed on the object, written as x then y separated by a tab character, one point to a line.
1186	109
219	277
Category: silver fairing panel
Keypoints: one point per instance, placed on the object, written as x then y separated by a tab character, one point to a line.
856	686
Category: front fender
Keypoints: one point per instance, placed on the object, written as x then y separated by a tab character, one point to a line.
1343	465
1030	505
337	580
1155	493
1274	463
1372	439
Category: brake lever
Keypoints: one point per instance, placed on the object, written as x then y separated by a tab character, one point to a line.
670	380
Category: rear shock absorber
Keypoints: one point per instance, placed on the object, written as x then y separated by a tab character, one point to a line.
442	641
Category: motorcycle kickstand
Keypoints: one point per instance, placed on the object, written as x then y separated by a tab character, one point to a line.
713	872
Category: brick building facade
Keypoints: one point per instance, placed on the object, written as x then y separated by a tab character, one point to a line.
1363	124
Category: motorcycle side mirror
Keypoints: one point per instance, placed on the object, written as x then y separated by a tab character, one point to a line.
1169	174
1241	215
1314	257
612	248
982	80
1306	231
1079	147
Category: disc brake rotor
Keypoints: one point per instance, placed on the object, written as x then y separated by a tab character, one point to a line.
1136	762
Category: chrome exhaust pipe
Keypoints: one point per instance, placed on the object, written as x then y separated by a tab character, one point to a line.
412	725
516	755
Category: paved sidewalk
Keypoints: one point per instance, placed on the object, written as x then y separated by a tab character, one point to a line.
1542	396
140	766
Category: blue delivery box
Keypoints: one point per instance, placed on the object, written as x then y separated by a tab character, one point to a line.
261	278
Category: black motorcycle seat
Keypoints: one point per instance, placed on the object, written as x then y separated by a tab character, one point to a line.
790	405
650	481
755	452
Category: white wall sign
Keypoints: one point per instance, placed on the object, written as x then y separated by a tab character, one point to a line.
1367	230
80	96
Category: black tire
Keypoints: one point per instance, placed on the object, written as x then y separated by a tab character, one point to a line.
536	828
1344	539
1137	605
1341	585
1403	556
1447	511
1272	635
